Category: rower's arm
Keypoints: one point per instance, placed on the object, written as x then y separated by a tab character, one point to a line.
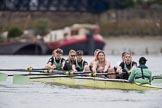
86	67
94	68
150	79
131	76
49	65
74	68
134	66
119	70
63	64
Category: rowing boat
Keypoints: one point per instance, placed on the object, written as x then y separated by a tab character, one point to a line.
94	82
79	80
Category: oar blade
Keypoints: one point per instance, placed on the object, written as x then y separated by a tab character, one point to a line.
20	79
3	77
157	81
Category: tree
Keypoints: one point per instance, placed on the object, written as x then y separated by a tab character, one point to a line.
41	27
15	32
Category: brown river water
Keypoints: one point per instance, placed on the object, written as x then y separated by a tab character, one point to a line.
39	95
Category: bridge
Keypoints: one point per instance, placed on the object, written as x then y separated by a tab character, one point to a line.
20	48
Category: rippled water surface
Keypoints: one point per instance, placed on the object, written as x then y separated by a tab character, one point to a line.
39	95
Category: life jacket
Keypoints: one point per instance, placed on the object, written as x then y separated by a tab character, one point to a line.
78	67
58	65
142	76
68	65
125	66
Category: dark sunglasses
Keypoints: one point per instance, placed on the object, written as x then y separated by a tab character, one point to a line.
72	55
59	51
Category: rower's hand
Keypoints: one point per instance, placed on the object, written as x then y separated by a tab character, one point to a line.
50	67
53	67
105	71
72	73
129	72
119	71
111	70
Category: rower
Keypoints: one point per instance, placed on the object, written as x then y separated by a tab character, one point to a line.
118	63
80	64
126	66
102	65
69	63
94	60
141	74
56	61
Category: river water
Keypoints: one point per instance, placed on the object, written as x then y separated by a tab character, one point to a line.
39	95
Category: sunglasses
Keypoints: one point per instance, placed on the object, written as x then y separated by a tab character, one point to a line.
72	55
59	51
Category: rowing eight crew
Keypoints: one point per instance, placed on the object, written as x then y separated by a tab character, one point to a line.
127	69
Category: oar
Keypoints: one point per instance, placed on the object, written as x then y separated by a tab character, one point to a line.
72	75
3	76
157	77
17	79
43	70
23	79
25	69
20	79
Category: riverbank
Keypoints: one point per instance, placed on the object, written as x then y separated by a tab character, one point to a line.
136	44
113	22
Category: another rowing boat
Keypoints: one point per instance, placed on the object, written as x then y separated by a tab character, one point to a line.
93	82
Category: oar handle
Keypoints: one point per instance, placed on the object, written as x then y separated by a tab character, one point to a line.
90	74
